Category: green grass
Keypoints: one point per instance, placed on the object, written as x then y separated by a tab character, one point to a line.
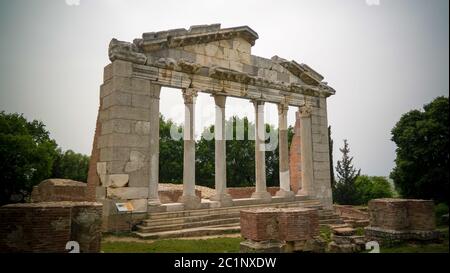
214	245
325	233
231	245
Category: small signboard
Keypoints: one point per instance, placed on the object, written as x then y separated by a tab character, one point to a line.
124	207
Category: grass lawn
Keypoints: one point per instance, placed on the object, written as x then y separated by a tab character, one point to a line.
231	245
213	245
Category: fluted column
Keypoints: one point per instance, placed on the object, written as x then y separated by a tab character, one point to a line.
306	151
221	194
260	157
283	147
190	200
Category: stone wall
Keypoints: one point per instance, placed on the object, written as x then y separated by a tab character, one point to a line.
279	229
48	226
402	214
298	224
394	221
321	156
350	212
59	190
246	192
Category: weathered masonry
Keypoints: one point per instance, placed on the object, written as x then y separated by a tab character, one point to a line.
214	60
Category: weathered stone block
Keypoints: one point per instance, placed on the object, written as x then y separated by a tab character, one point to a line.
271	246
139	205
114	154
137	161
140	101
127	193
116	126
133	113
59	190
140	177
142	128
116	180
116	98
124	140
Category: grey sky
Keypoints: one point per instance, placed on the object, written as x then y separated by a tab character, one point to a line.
383	60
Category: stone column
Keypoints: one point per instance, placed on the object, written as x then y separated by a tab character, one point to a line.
285	187
306	151
221	194
190	200
260	158
153	197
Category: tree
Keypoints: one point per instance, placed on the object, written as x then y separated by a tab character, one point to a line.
70	165
240	157
345	189
170	153
26	156
372	187
422	159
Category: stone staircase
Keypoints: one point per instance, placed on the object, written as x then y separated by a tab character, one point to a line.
214	221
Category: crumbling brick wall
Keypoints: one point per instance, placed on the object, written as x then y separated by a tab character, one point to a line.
59	190
286	224
48	226
246	192
295	163
402	214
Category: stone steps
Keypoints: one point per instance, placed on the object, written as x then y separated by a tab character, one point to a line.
214	221
190	232
169	227
188	219
227	210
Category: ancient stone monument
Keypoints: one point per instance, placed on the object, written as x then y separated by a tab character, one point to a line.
214	60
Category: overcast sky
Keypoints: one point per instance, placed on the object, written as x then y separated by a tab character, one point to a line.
383	57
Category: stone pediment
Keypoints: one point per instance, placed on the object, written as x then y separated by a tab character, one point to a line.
199	34
218	53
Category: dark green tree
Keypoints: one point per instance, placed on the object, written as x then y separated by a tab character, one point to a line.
422	159
26	156
345	191
70	165
170	153
240	157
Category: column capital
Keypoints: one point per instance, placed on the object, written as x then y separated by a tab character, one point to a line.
220	100
283	108
189	95
257	102
155	91
305	111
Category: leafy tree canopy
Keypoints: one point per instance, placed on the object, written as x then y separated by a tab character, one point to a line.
422	137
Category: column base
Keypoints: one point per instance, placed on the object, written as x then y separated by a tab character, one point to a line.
303	192
262	195
285	194
224	199
190	201
154	202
